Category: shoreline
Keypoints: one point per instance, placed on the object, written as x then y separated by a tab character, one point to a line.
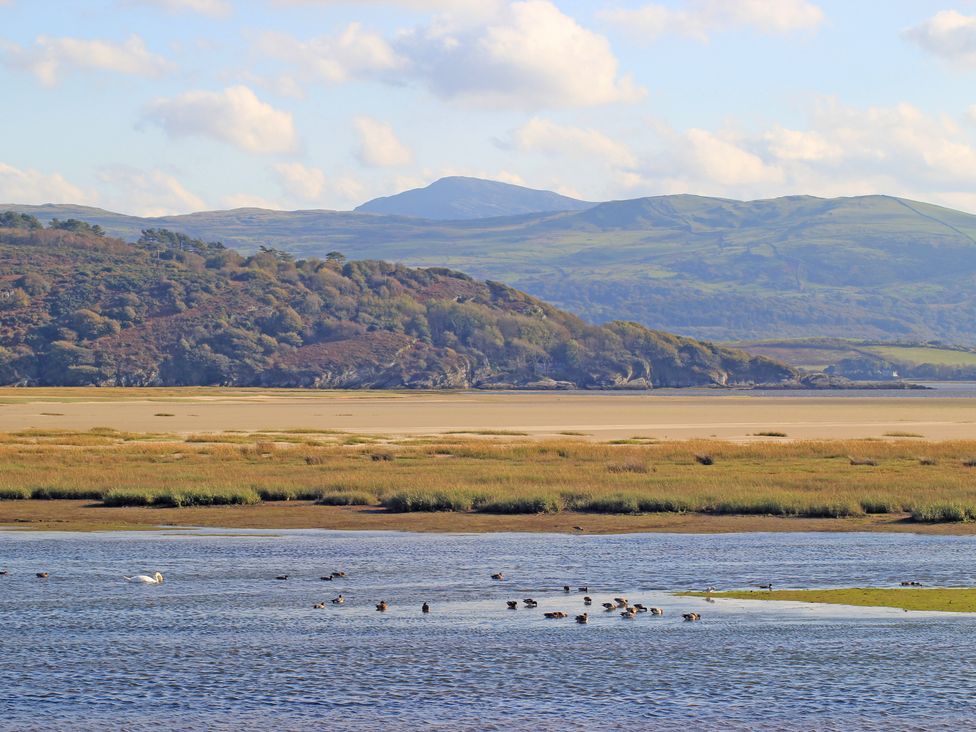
83	515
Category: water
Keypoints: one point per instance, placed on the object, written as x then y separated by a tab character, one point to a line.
223	645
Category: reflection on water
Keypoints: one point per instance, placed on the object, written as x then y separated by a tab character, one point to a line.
222	644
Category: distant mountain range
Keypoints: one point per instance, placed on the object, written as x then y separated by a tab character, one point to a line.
457	198
78	308
873	267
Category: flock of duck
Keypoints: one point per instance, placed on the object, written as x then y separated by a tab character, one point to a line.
627	610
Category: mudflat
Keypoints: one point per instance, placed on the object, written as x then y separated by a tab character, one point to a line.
79	515
734	416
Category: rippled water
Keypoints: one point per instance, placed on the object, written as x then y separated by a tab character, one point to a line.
223	645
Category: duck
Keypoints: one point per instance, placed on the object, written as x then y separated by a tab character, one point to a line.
709	590
577	528
43	575
583	619
381	606
629	614
156	579
282	577
338	600
512	604
691	617
621	601
498	576
338	574
638	608
318	606
584	588
768	586
556	614
913	583
4	572
529	602
565	588
326	578
425	608
656	611
608	606
587	600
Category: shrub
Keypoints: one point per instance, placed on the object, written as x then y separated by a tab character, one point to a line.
863	461
128	497
351	498
770	434
664	505
879	505
618	503
519	504
381	456
943	513
629	466
14	494
406	502
53	493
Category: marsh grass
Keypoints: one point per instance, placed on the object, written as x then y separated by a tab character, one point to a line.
778	478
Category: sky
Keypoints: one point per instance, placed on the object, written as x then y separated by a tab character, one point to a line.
155	107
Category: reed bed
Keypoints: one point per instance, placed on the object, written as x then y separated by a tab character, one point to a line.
926	481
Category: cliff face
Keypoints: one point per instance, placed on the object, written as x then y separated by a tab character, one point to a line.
77	308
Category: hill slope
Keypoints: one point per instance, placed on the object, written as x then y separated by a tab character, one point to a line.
871	267
459	197
79	309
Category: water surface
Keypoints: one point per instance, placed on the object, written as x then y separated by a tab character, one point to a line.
223	645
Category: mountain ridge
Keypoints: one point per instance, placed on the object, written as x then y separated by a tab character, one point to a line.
877	267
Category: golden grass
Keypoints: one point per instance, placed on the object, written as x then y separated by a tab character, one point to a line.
942	599
458	473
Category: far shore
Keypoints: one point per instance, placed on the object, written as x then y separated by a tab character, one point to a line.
80	515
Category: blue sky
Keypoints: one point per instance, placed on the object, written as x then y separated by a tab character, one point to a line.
164	106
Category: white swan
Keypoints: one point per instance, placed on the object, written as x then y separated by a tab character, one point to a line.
156	579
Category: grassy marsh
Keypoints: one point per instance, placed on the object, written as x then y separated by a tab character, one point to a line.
497	475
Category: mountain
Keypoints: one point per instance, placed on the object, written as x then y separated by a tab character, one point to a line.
79	308
457	198
869	267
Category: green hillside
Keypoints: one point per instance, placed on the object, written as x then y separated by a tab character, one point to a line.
859	359
870	267
80	308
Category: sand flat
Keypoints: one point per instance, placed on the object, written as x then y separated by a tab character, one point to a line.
601	416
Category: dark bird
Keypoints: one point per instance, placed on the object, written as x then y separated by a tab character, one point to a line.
282	577
639	608
691	617
656	611
529	602
338	574
318	605
512	604
338	600
498	576
565	588
584	588
326	578
4	572
42	575
577	528
608	606
587	600
767	587
381	606
556	614
425	608
583	619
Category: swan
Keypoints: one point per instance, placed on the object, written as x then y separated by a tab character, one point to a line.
156	579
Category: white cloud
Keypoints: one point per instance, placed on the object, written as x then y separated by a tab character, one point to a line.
563	141
248	200
353	53
308	185
147	193
700	18
213	8
379	146
442	5
788	144
523	54
50	57
726	163
301	181
34	187
234	115
949	34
